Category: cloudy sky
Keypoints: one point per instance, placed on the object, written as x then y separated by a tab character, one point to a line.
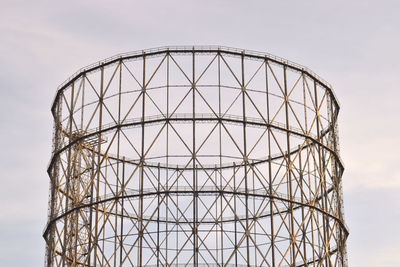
352	44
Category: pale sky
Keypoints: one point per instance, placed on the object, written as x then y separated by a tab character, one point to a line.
352	44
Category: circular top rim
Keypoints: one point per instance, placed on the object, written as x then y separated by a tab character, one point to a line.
196	49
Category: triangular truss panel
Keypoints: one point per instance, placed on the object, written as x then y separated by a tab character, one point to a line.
195	156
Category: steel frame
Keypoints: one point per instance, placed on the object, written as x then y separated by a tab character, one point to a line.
201	156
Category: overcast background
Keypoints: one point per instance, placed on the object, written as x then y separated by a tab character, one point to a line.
352	44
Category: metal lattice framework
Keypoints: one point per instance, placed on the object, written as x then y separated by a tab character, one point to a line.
200	156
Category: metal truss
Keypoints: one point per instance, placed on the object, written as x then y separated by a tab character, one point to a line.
199	156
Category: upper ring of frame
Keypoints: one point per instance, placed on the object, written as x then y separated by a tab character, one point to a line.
200	50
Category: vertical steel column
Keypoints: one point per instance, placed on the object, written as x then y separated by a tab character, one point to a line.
158	214
220	158
54	176
235	215
177	216
92	177
99	163
121	244
68	181
245	161
195	193
270	181
118	176
303	239
75	195
141	177
289	171
255	219
216	213
167	162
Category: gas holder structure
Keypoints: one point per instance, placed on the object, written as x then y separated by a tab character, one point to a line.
195	156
